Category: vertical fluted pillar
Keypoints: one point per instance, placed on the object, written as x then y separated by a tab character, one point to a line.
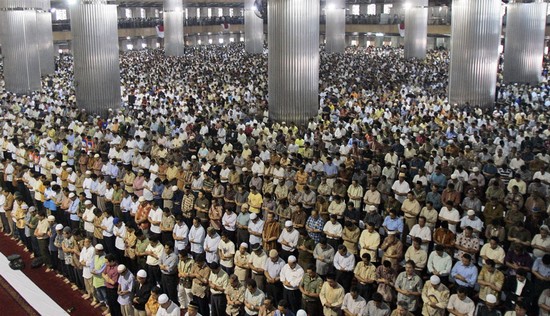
19	36
253	29
475	41
173	28
335	11
524	45
293	61
45	38
95	50
416	29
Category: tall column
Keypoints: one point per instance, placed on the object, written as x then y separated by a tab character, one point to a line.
293	61
475	39
416	29
173	28
95	51
253	29
395	41
45	38
524	45
19	40
335	26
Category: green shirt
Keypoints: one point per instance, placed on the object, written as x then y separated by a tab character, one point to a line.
312	285
99	267
33	223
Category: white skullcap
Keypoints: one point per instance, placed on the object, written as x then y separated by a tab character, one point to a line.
435	280
301	312
291	259
244	245
163	298
121	268
51	218
288	224
471	212
59	227
490	298
142	274
253	216
98	247
88	202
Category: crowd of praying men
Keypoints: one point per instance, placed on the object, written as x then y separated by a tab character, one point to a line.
390	202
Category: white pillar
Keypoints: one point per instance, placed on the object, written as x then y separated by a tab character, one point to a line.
293	61
416	29
335	26
20	49
173	28
524	45
474	52
96	59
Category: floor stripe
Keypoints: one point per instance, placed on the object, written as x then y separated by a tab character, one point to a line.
31	293
15	297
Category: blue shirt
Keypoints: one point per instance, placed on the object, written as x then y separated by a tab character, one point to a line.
319	224
438	179
468	272
73	210
330	169
541	268
435	198
393	224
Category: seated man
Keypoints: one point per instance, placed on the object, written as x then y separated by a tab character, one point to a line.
464	272
460	303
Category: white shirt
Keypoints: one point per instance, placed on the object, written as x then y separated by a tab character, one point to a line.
346	263
423	233
87	255
452	215
86	185
88	218
211	247
355	306
257	227
196	238
120	233
227	249
155	216
335	229
289	237
108	223
293	276
172	310
181	231
229	222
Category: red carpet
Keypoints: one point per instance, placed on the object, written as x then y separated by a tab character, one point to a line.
12	303
71	301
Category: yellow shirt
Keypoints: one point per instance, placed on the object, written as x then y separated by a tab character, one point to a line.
332	296
255	202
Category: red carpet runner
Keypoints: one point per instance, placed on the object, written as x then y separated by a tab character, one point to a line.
12	303
54	287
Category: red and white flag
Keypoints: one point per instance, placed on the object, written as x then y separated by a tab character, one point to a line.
401	28
160	31
225	26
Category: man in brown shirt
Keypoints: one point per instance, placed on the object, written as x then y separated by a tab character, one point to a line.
235	296
272	230
200	273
